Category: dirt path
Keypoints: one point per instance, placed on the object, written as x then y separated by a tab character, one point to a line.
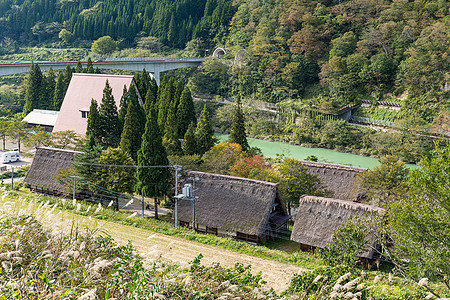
157	246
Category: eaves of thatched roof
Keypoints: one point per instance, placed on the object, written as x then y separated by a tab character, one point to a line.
230	203
339	179
47	165
319	218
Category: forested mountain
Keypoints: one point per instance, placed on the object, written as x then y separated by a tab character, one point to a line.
174	22
316	54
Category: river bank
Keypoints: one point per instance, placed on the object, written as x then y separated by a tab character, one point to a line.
272	149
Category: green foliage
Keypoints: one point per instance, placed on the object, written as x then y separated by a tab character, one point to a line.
118	179
387	181
237	132
349	241
131	137
93	128
221	157
204	134
104	45
152	181
109	125
185	112
34	91
419	221
190	146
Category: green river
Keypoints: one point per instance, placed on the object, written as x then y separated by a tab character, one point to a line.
271	149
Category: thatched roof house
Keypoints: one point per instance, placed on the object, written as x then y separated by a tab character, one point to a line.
340	180
245	209
47	165
319	218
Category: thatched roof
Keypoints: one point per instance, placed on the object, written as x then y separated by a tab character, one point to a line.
319	218
47	164
230	203
337	178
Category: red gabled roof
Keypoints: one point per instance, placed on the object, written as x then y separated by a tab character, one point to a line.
82	89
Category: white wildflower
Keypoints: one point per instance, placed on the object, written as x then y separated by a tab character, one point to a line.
78	207
99	208
111	203
376	279
63	202
350	284
317	278
132	215
82	246
430	296
423	282
390	277
88	209
89	295
74	201
128	203
360	286
90	218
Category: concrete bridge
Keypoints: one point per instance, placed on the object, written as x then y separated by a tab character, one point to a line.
153	65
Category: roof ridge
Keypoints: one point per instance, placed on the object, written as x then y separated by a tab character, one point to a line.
235	178
334	166
341	202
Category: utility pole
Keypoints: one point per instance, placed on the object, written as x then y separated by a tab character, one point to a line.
143	203
177	168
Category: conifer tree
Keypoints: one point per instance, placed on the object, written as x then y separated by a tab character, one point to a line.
204	135
150	99
67	77
190	143
237	133
109	119
185	112
133	97
130	140
93	123
79	67
49	86
123	106
89	67
58	96
34	89
163	103
144	82
152	182
170	139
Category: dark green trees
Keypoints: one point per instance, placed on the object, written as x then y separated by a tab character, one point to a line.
152	181
237	133
58	95
130	140
186	112
204	135
109	120
93	123
34	90
190	143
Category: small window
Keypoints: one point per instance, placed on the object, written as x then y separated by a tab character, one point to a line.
84	114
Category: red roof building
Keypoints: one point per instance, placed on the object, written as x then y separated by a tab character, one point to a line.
82	89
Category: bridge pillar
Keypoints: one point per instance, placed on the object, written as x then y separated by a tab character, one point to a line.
156	75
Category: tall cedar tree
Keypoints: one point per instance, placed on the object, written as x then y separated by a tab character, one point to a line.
86	166
150	99
79	67
123	106
205	132
89	67
93	123
33	93
167	92
152	182
186	112
109	119
49	85
131	137
67	77
58	95
144	82
237	133
190	143
170	139
133	97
